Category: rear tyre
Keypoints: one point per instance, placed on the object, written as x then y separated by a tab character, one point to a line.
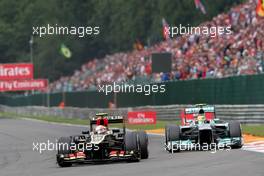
63	149
234	132
143	141
132	144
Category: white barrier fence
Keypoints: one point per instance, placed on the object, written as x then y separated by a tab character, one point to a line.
242	113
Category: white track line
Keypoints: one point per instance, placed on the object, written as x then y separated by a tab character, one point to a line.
254	146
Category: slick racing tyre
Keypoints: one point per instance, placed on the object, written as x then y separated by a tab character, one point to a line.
143	142
63	149
235	132
172	133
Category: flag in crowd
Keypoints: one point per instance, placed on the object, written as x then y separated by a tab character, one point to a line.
65	51
260	8
165	29
199	5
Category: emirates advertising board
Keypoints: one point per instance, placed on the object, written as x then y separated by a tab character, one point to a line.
20	77
142	117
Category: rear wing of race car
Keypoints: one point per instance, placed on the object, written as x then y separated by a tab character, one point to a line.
191	113
195	110
111	119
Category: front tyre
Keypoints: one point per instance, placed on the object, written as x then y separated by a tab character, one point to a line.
172	133
63	149
235	132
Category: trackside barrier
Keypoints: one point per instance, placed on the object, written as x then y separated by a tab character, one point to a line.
230	90
243	113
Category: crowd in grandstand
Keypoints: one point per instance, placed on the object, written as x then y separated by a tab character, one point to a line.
194	56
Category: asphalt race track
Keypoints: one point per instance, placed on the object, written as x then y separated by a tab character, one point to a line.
17	157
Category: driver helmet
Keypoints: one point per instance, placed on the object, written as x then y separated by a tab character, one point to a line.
100	129
201	116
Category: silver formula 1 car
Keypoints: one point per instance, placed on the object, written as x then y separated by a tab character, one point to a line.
200	128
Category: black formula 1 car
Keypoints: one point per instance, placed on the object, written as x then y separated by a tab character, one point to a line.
102	144
199	128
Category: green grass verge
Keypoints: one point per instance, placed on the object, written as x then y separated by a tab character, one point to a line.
46	118
56	119
257	130
160	124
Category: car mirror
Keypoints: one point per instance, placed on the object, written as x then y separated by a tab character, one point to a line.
85	132
189	121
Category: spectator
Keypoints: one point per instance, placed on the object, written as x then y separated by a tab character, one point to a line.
194	56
